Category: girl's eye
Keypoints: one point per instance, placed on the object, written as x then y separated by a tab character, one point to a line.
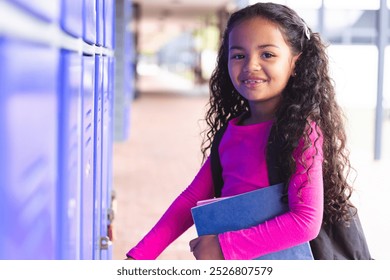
237	56
267	55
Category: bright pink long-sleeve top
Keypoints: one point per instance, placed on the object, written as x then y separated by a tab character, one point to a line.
243	158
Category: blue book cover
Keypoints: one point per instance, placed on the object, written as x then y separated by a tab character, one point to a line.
244	211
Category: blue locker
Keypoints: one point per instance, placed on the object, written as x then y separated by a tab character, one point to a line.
106	164
69	166
46	10
87	153
28	149
99	23
89	19
110	131
109	24
98	155
72	17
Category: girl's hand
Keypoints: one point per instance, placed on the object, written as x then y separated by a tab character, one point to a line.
206	247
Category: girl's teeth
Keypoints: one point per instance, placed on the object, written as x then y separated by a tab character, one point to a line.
252	81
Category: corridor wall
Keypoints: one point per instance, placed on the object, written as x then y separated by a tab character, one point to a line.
56	128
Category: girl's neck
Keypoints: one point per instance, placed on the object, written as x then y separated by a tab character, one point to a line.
251	118
262	111
257	115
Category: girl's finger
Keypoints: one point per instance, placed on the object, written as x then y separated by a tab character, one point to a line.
193	244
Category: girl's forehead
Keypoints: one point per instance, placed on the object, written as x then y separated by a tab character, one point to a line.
255	23
258	29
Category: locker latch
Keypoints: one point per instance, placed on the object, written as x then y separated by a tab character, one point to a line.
104	242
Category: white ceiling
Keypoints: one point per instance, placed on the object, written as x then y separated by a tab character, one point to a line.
162	20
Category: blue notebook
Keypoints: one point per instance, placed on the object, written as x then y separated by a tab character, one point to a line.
244	211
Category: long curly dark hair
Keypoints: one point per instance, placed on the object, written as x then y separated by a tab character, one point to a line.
309	96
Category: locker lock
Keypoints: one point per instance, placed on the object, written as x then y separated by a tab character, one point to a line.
104	243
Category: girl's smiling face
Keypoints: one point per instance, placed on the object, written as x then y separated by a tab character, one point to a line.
260	63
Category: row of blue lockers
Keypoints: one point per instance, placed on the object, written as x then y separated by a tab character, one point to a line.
87	19
56	149
56	135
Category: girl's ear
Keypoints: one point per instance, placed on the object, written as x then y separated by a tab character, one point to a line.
293	62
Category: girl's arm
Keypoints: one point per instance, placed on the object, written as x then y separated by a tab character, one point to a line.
301	224
177	219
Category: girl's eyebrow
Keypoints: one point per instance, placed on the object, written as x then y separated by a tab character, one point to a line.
259	47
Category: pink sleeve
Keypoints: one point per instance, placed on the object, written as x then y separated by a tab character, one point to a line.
177	219
302	223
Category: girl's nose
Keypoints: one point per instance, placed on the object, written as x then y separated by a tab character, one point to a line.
252	64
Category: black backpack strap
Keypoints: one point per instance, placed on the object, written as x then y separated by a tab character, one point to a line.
276	171
216	167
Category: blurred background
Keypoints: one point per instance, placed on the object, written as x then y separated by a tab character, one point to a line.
101	112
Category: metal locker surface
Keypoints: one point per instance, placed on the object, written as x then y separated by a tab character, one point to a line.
109	23
87	153
46	10
109	119
106	163
99	23
72	17
98	155
89	19
28	148
69	164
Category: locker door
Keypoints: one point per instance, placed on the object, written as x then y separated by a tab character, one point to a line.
72	17
106	163
99	23
89	18
98	156
110	131
109	23
47	10
28	149
87	153
69	163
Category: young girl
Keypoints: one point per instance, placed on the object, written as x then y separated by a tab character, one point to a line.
272	72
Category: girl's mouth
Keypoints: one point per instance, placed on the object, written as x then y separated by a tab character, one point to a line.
250	81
